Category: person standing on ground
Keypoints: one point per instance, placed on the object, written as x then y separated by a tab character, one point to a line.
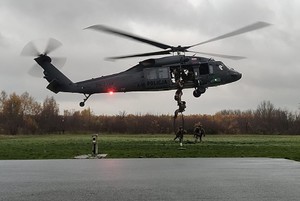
179	135
199	132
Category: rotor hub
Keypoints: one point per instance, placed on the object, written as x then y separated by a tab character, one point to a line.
45	58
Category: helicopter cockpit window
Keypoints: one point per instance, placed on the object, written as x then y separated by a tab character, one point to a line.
204	69
211	69
222	66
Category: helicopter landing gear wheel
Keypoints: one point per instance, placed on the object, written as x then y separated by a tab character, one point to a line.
81	104
198	91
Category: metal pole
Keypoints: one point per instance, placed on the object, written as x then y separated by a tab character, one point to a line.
94	144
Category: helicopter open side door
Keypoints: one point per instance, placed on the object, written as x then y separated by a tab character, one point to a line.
157	78
203	72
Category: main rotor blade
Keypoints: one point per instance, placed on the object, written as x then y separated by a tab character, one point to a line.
220	55
30	50
251	27
52	45
128	35
141	55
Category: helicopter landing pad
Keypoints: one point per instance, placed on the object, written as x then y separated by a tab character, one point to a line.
150	179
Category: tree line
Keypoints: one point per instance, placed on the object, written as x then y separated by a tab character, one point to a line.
21	114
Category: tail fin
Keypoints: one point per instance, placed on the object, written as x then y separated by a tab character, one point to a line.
57	80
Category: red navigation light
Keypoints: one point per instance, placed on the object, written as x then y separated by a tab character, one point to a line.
111	92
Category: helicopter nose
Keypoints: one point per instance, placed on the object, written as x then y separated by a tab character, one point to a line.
236	76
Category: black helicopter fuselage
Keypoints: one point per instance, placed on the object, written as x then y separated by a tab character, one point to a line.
158	74
149	75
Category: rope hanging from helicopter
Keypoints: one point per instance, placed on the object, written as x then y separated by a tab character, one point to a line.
180	126
178	94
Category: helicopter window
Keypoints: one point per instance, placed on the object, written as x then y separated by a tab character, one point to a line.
203	70
163	73
222	66
156	73
211	69
150	74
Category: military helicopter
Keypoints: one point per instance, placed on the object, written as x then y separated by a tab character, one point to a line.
154	74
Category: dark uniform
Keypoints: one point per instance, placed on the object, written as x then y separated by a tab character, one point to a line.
181	108
178	95
198	133
179	134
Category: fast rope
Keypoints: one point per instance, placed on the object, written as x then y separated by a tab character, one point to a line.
174	123
178	74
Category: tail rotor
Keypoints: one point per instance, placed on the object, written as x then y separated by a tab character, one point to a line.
31	50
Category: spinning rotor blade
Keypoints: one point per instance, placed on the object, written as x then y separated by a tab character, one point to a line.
178	49
140	55
52	45
220	55
37	71
30	50
99	27
59	62
251	27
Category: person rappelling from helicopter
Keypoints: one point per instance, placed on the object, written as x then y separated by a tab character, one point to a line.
178	74
181	109
179	92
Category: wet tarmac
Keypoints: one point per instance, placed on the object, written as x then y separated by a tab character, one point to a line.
150	179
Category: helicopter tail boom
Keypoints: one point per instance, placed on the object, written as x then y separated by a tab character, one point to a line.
57	80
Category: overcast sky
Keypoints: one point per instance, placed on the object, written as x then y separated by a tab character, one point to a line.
270	72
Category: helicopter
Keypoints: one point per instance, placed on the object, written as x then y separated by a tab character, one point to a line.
154	74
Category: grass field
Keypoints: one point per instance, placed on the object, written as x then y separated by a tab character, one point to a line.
149	146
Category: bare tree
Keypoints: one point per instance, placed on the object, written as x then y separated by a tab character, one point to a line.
49	118
12	114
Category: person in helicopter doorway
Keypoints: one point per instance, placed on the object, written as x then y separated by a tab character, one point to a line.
179	135
199	132
176	74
